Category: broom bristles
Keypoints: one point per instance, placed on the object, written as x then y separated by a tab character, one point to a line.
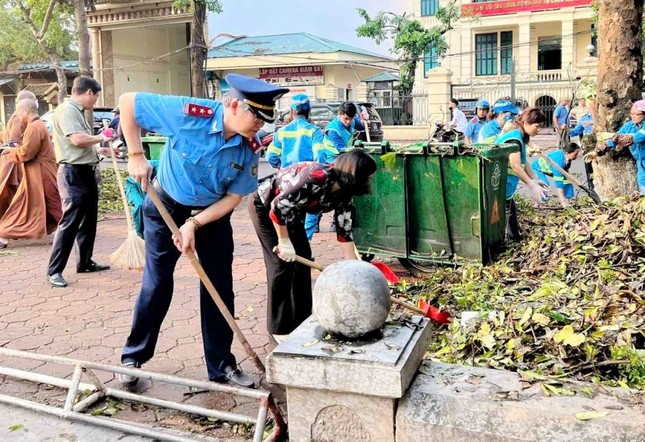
132	253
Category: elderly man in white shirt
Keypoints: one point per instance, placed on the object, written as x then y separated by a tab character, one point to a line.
459	121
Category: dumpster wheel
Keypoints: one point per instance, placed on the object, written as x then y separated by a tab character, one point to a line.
416	268
367	257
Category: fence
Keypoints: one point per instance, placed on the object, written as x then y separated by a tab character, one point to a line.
544	93
405	110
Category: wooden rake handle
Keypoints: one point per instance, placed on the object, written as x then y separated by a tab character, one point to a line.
395	300
119	180
230	320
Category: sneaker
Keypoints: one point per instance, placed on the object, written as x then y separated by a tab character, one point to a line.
128	380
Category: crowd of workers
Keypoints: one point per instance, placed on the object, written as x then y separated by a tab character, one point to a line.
209	165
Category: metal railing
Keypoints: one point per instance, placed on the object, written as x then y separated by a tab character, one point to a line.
74	408
405	110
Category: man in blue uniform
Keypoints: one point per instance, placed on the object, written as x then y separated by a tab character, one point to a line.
296	141
503	111
338	133
208	164
482	107
561	121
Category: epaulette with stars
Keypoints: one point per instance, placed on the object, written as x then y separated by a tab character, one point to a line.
196	110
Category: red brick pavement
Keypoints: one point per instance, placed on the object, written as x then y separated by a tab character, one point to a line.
91	318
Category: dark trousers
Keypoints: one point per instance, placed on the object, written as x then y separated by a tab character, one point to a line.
513	231
214	244
289	283
79	194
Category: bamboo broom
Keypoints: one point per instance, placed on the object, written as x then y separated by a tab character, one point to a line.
132	253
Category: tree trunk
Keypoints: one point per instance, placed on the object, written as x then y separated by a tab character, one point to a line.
198	50
84	53
61	78
620	78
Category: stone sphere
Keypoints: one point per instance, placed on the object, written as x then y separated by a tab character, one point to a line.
351	298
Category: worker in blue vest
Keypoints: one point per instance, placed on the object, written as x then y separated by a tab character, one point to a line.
632	135
503	112
296	141
208	165
339	134
563	158
528	125
482	107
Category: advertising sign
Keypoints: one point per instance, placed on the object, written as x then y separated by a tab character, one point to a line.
293	75
502	7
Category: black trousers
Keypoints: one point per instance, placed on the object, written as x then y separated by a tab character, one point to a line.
79	193
513	231
214	246
289	283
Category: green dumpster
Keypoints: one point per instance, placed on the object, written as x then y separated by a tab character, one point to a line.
153	145
449	204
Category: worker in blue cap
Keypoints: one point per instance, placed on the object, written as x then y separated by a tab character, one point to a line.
296	141
503	112
209	163
482	107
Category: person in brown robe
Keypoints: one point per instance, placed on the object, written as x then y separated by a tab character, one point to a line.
10	174
35	209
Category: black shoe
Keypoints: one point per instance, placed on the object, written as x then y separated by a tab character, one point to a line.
92	267
236	376
57	280
128	380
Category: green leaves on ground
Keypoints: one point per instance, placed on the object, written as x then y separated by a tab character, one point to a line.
109	194
566	302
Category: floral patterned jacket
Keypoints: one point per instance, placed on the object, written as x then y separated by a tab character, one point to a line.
307	187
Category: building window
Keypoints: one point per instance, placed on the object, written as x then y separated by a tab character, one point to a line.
429	7
594	40
549	53
506	52
430	61
486	54
489	48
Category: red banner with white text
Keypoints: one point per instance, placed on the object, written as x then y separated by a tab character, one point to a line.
502	7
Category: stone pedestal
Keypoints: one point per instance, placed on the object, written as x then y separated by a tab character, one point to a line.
339	390
438	84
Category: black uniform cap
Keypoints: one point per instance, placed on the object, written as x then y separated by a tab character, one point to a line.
258	94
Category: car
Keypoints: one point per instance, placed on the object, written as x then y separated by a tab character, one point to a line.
322	113
100	115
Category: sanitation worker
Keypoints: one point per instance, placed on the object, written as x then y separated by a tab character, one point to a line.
482	108
207	166
563	158
503	112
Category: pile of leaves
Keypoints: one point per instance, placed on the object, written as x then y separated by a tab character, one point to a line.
109	195
567	302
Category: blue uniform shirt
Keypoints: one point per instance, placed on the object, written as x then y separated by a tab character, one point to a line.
198	167
294	143
561	113
489	132
584	126
542	169
337	139
513	180
637	149
472	130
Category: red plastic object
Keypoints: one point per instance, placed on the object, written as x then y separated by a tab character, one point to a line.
387	272
434	313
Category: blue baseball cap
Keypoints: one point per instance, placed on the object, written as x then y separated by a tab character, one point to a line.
258	94
300	102
505	106
482	104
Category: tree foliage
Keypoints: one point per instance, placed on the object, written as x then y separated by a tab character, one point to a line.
411	40
198	40
18	41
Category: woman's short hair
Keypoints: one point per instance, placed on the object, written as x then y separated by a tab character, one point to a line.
354	169
571	147
347	108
